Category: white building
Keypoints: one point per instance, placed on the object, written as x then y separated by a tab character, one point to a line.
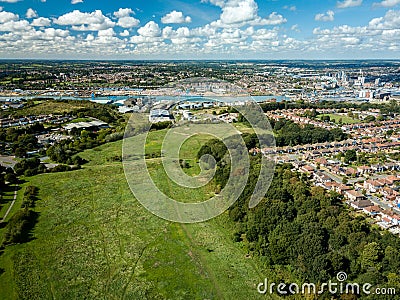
187	115
159	115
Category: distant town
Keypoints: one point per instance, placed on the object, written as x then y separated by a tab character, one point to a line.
302	80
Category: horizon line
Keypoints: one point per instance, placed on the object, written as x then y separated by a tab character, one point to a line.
199	60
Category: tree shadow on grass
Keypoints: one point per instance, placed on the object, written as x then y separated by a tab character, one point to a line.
9	189
19	228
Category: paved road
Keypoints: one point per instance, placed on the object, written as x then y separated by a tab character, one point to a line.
7	161
12	204
354	180
372	198
382	204
336	178
339	179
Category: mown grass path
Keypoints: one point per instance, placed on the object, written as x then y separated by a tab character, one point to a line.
11	205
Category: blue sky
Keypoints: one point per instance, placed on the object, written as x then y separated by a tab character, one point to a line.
200	29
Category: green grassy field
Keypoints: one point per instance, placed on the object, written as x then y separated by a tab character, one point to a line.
345	119
77	120
189	151
50	107
93	240
243	128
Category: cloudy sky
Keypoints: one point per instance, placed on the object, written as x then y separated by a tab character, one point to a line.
200	29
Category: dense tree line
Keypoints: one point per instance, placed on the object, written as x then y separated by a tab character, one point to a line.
289	133
13	133
270	106
29	167
106	113
7	174
307	233
33	166
21	140
65	151
30	196
307	230
213	152
19	226
161	125
102	113
24	143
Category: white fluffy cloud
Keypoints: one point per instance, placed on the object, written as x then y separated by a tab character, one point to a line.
80	21
239	31
175	17
123	12
30	13
51	33
76	1
6	16
387	3
125	19
106	32
349	3
273	19
128	22
151	29
265	34
391	20
41	22
181	36
10	1
238	13
379	33
326	17
21	25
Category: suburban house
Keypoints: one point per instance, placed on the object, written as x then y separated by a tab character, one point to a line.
391	179
372	210
349	172
306	169
361	204
321	177
342	188
321	161
373	186
396	220
387	222
391	217
336	170
363	170
352	195
330	186
389	194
